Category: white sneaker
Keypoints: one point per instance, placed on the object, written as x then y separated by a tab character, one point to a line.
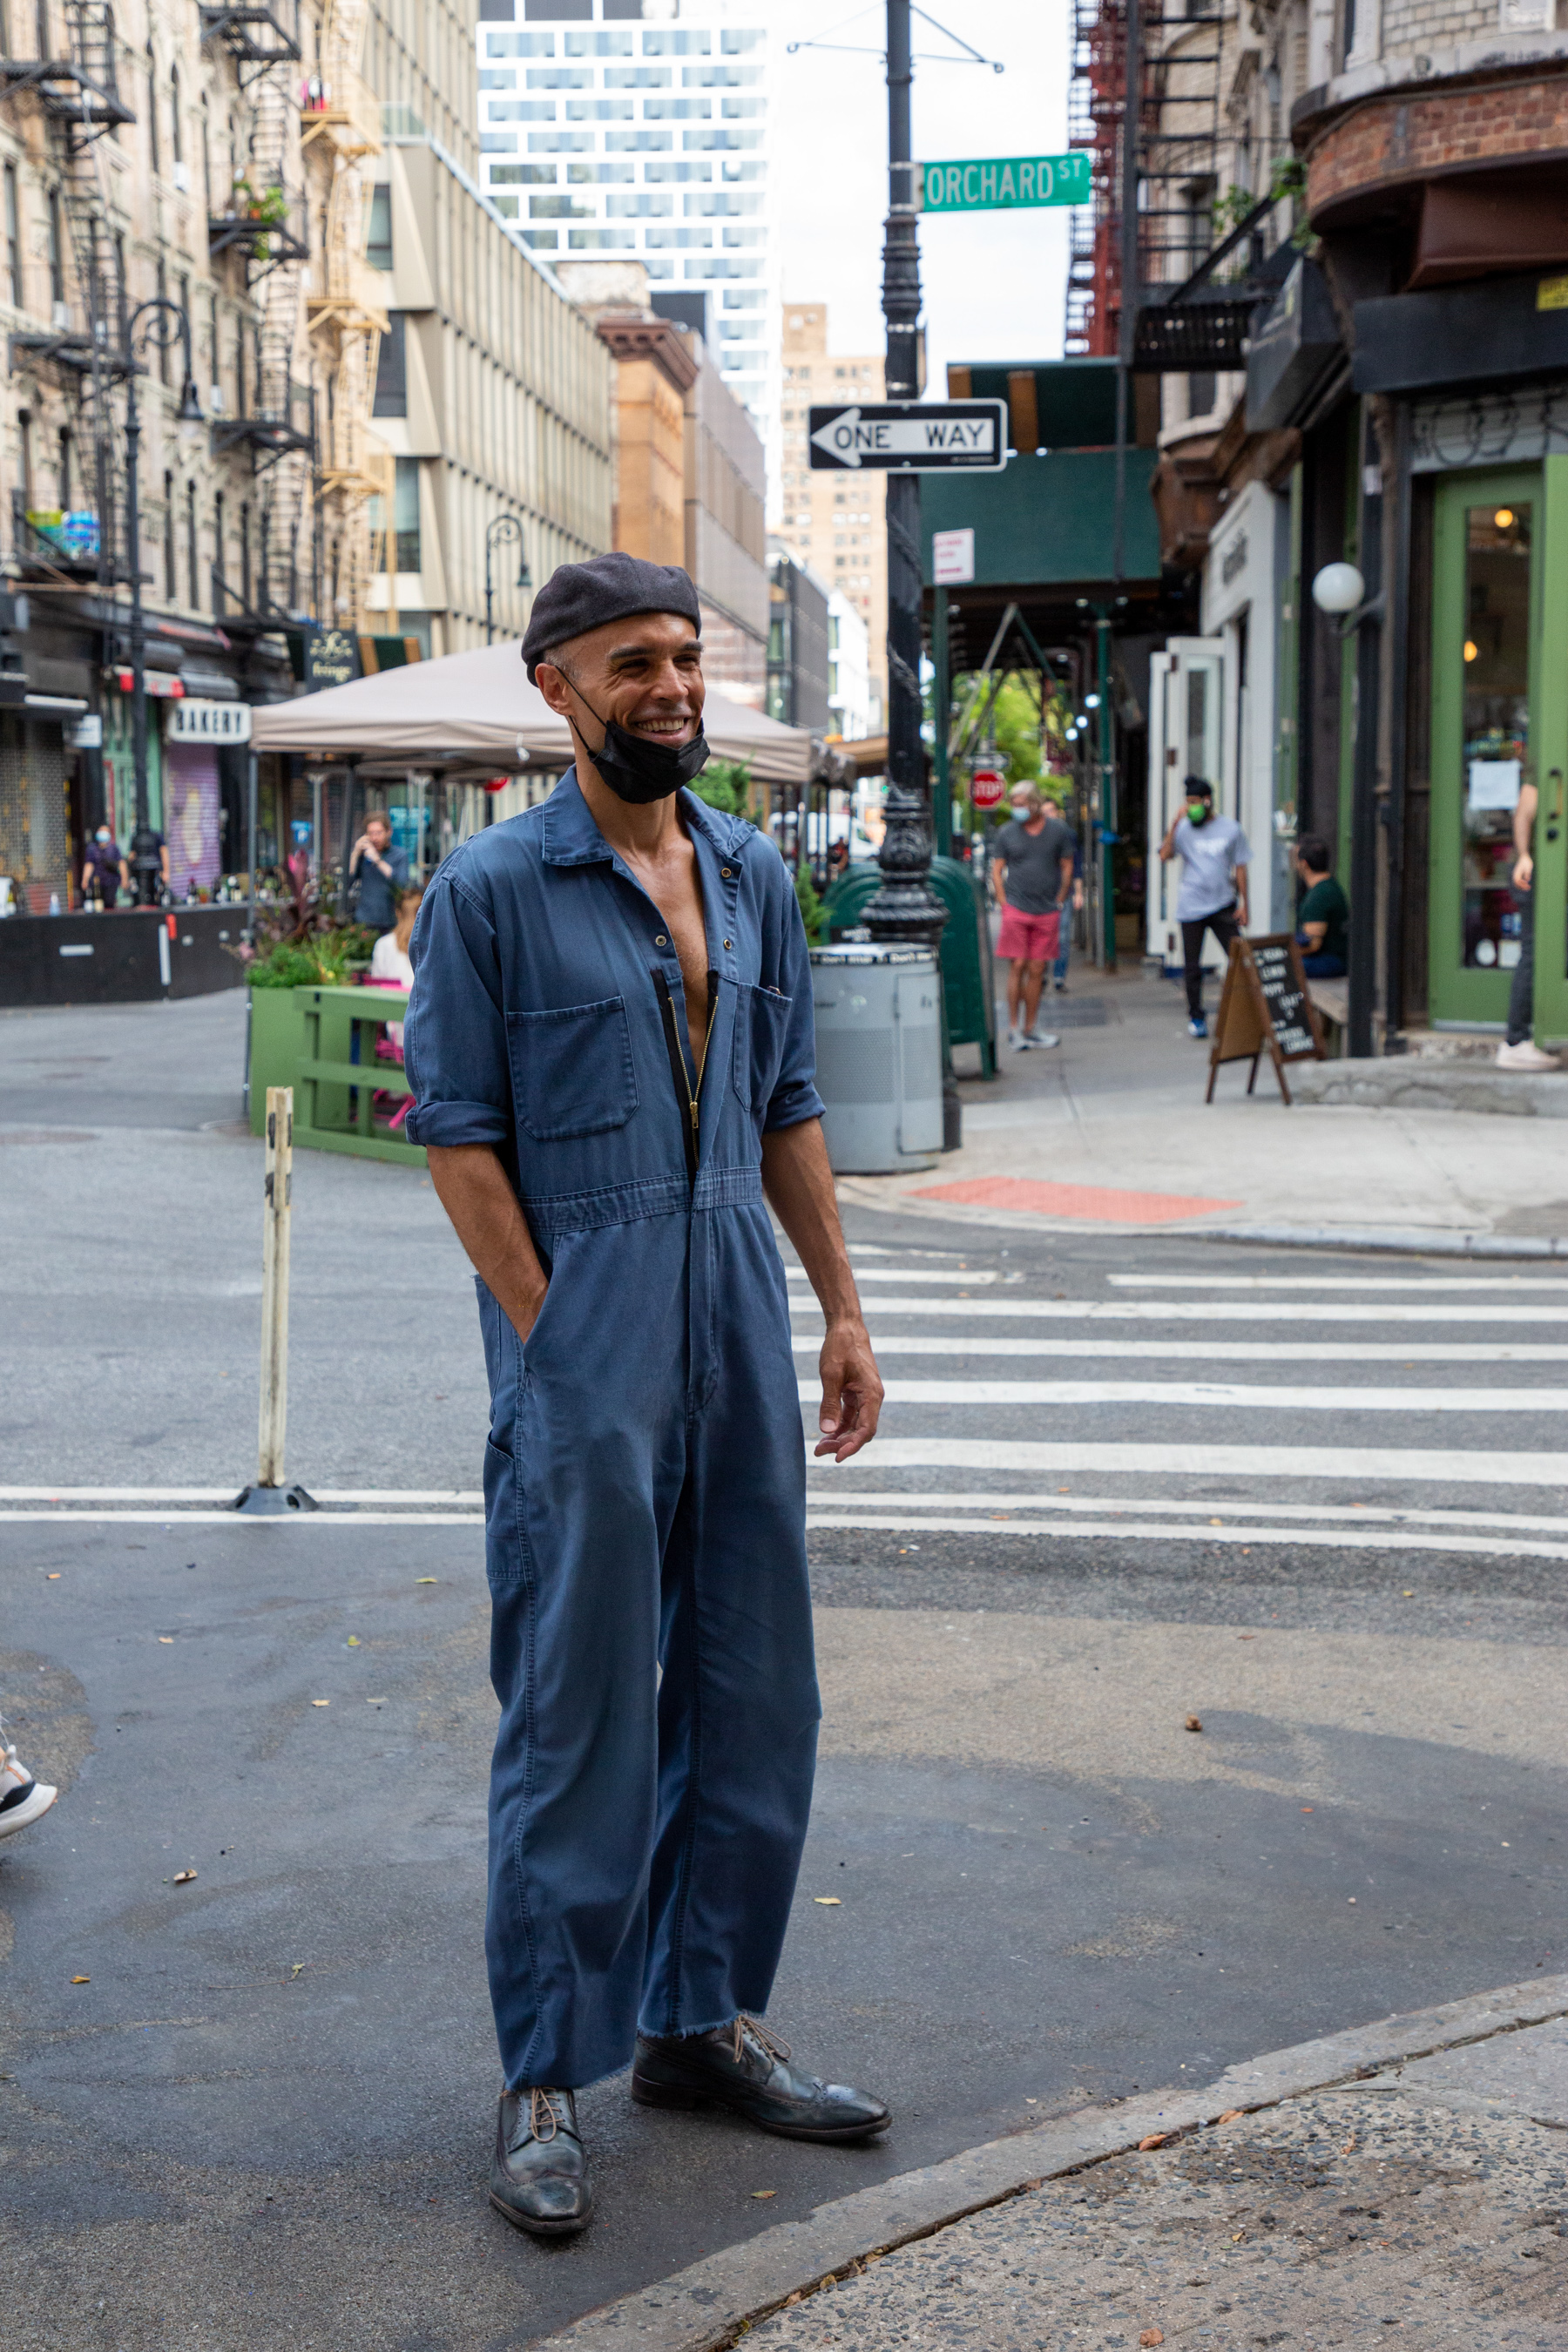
1526	1056
1040	1038
22	1799
1014	1038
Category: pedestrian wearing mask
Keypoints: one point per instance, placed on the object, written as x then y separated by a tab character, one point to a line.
1213	893
105	867
610	1041
1032	866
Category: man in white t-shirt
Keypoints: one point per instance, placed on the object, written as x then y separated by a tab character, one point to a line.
1213	894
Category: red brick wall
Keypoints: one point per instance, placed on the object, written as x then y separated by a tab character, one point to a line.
1408	138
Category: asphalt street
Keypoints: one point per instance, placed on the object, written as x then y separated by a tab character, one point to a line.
1314	1503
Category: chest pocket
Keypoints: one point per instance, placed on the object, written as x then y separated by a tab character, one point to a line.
572	1070
761	1020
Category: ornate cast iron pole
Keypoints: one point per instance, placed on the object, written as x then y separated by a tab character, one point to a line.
906	907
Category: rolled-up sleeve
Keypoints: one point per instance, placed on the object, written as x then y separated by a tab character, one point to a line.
454	1042
794	1097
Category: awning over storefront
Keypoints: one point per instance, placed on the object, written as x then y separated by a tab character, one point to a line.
476	714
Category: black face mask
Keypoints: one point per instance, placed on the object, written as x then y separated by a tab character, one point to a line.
638	772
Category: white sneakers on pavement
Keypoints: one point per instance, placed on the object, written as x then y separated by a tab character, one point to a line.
1030	1037
22	1799
1526	1056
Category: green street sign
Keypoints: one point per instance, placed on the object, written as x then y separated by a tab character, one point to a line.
1003	184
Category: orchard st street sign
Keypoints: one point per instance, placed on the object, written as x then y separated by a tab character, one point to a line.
1004	182
911	436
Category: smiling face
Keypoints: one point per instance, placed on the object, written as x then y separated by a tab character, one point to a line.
643	674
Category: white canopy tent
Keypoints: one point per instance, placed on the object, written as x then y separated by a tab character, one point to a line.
476	714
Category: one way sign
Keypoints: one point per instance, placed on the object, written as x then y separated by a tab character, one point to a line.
909	436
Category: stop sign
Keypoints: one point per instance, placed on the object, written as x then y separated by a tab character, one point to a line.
986	787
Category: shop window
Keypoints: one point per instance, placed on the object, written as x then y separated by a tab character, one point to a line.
1496	724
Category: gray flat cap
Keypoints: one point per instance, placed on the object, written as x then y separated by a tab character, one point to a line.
581	597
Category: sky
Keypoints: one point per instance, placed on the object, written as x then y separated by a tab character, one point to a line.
994	282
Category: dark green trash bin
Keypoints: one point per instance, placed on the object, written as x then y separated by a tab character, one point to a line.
968	978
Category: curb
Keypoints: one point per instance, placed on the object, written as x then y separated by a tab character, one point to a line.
1419	1240
705	2307
1426	1241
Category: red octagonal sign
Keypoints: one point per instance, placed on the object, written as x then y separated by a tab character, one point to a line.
986	787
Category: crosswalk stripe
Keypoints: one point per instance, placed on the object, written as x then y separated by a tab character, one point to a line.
1429	1466
1192	1310
1333	1539
1357	1282
180	1516
1234	1395
975	1280
1227	1352
983	1505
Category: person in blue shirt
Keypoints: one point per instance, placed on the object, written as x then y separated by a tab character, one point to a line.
610	1043
380	870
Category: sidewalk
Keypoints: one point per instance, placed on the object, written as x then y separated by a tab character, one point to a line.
1412	2175
1110	1129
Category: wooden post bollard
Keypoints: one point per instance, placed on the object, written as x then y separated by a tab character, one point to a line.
277	1194
269	1495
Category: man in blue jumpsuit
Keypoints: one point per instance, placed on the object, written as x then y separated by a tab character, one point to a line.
610	1041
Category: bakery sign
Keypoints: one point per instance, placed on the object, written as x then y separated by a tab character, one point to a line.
197	721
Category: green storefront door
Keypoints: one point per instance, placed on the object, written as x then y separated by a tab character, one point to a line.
1489	538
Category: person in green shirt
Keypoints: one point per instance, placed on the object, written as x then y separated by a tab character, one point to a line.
1323	913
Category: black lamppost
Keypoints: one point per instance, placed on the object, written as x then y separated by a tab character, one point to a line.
166	323
505	527
906	907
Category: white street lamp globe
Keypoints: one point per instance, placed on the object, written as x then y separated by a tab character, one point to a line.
1338	588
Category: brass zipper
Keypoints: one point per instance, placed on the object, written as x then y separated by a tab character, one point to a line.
678	1063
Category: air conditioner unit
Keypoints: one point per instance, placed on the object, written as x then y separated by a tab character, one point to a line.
214	400
181	175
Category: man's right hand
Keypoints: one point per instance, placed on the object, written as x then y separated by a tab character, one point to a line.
1523	871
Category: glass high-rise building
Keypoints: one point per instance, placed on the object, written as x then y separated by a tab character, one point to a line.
637	128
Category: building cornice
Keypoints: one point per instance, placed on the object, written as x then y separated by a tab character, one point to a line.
633	337
1424	72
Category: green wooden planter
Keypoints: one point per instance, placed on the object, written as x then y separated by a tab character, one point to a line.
305	1038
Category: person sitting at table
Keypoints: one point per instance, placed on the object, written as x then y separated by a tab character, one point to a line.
391	966
1323	914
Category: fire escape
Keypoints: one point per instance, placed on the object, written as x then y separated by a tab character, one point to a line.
1208	254
345	314
263	231
77	95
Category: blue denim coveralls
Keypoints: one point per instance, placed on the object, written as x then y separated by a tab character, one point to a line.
645	1475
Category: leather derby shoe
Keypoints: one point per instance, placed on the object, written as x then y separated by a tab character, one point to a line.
539	2179
745	2067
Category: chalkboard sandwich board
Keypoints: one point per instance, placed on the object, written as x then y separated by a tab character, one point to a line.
1264	1006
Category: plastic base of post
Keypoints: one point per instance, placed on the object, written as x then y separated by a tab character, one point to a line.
274	1502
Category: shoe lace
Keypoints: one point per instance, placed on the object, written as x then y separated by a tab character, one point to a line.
766	2041
545	2116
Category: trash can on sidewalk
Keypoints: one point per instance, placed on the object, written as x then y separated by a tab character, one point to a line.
878	1057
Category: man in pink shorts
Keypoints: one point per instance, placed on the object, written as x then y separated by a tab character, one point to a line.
1032	862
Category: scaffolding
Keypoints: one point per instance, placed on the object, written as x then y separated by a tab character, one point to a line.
345	315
